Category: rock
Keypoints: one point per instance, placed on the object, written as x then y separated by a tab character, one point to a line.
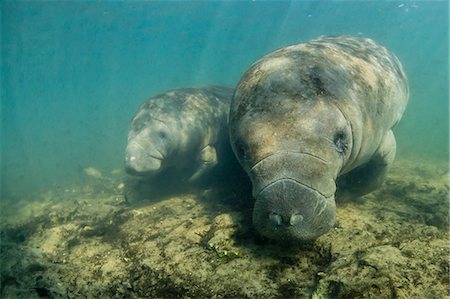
80	244
93	172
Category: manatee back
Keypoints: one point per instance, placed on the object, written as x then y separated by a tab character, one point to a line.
368	74
361	78
193	104
348	71
206	109
199	116
221	93
367	83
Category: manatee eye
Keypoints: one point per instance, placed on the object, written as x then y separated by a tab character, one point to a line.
340	142
162	134
240	149
138	125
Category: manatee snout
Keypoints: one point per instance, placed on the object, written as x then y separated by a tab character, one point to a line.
142	161
292	203
146	152
287	209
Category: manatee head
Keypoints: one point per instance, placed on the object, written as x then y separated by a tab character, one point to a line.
293	141
152	142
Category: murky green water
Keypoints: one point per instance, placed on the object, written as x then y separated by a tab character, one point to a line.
74	224
74	73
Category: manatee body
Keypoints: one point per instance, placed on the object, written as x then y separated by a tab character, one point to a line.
312	120
180	128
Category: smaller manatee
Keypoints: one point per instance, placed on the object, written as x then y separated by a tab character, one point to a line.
180	128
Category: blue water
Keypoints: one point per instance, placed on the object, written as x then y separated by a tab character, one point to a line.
73	73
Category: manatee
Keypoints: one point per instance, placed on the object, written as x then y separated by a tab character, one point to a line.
180	128
311	122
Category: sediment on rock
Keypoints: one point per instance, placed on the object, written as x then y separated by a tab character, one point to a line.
200	243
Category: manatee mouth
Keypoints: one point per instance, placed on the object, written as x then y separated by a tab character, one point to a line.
140	160
292	181
304	168
289	210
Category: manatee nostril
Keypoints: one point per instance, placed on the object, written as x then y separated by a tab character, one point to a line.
275	218
295	219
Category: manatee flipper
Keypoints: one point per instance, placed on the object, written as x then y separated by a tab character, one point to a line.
206	159
371	175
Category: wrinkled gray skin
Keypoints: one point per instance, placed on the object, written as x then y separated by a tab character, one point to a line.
180	128
312	119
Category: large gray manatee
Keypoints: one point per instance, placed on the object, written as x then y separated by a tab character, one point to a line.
313	118
180	128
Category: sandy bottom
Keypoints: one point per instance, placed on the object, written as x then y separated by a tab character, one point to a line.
118	238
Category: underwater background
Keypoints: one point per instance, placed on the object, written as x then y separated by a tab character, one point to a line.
73	224
74	73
